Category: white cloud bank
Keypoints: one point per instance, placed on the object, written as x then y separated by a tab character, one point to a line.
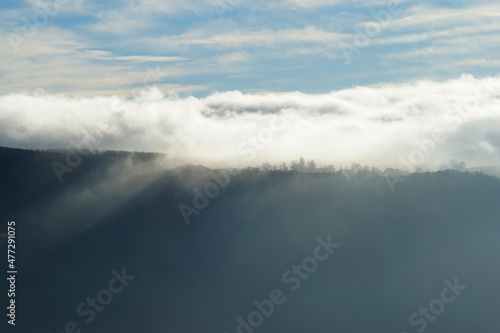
426	123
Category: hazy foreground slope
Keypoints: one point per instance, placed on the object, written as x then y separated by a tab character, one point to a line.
391	251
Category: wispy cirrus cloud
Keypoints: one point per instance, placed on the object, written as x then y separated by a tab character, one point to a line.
105	55
252	46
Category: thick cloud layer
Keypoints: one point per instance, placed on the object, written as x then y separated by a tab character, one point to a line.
421	124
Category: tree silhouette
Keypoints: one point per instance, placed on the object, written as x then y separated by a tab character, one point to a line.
311	165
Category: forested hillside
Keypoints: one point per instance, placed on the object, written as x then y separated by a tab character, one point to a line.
248	250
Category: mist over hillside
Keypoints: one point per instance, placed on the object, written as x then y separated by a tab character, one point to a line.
227	166
127	243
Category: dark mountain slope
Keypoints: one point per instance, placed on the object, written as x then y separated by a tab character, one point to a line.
396	248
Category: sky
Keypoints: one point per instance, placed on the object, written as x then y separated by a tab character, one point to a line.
361	81
201	47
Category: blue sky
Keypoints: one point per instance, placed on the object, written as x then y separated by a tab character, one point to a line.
200	47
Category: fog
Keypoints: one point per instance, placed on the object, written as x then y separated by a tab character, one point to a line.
419	125
393	252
